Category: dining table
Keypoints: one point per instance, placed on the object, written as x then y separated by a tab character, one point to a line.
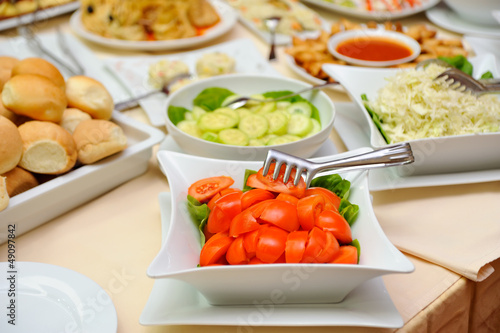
113	238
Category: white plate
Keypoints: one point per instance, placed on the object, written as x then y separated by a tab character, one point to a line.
281	39
444	17
133	71
65	192
173	302
432	155
54	299
379	16
18	47
352	127
227	15
39	16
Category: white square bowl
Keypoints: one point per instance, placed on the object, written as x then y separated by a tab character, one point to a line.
65	192
432	155
276	283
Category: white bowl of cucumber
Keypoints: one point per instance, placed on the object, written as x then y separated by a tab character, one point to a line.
200	126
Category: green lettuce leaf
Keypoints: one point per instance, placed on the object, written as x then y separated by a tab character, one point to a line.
176	113
293	99
211	98
199	215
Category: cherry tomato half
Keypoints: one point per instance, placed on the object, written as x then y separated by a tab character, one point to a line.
204	189
214	249
271	244
281	214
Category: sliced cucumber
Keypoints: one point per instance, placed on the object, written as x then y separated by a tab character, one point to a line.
243	112
302	108
283	105
188	115
190	127
197	112
267	107
210	136
230	112
267	138
230	98
316	127
255	103
278	122
282	139
256	142
299	125
216	121
254	126
233	136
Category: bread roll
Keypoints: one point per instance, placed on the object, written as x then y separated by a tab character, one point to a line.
4	197
6	65
18	181
96	139
47	148
90	96
41	67
11	145
72	117
34	96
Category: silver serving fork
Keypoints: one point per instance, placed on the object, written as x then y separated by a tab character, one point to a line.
398	154
458	80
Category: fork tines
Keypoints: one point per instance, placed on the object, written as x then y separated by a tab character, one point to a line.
292	162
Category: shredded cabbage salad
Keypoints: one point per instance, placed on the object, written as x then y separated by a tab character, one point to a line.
412	105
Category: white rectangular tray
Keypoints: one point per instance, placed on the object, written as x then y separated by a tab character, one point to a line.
63	193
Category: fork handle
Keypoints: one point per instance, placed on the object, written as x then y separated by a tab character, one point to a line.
387	156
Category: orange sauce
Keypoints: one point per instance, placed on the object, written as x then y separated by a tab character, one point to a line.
373	48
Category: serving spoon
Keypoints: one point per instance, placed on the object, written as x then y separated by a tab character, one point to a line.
271	24
166	89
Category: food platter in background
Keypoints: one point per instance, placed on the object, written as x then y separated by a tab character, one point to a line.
355	10
40	15
305	56
299	20
228	18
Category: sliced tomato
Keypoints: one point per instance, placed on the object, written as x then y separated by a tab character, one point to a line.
295	246
254	196
347	254
308	209
335	223
330	250
242	223
271	244
331	199
288	198
236	254
204	189
250	240
256	261
281	214
218	195
315	244
223	212
207	234
214	249
267	183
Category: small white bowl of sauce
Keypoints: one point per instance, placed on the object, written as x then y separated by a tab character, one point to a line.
373	47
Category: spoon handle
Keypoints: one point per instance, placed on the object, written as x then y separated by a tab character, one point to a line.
133	102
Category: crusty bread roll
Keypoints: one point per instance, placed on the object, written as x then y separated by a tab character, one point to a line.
41	67
34	96
96	139
6	65
72	117
11	145
90	96
18	181
47	148
4	196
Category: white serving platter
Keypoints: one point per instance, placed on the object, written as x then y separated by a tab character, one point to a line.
40	15
173	302
52	299
352	127
228	18
63	193
373	15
